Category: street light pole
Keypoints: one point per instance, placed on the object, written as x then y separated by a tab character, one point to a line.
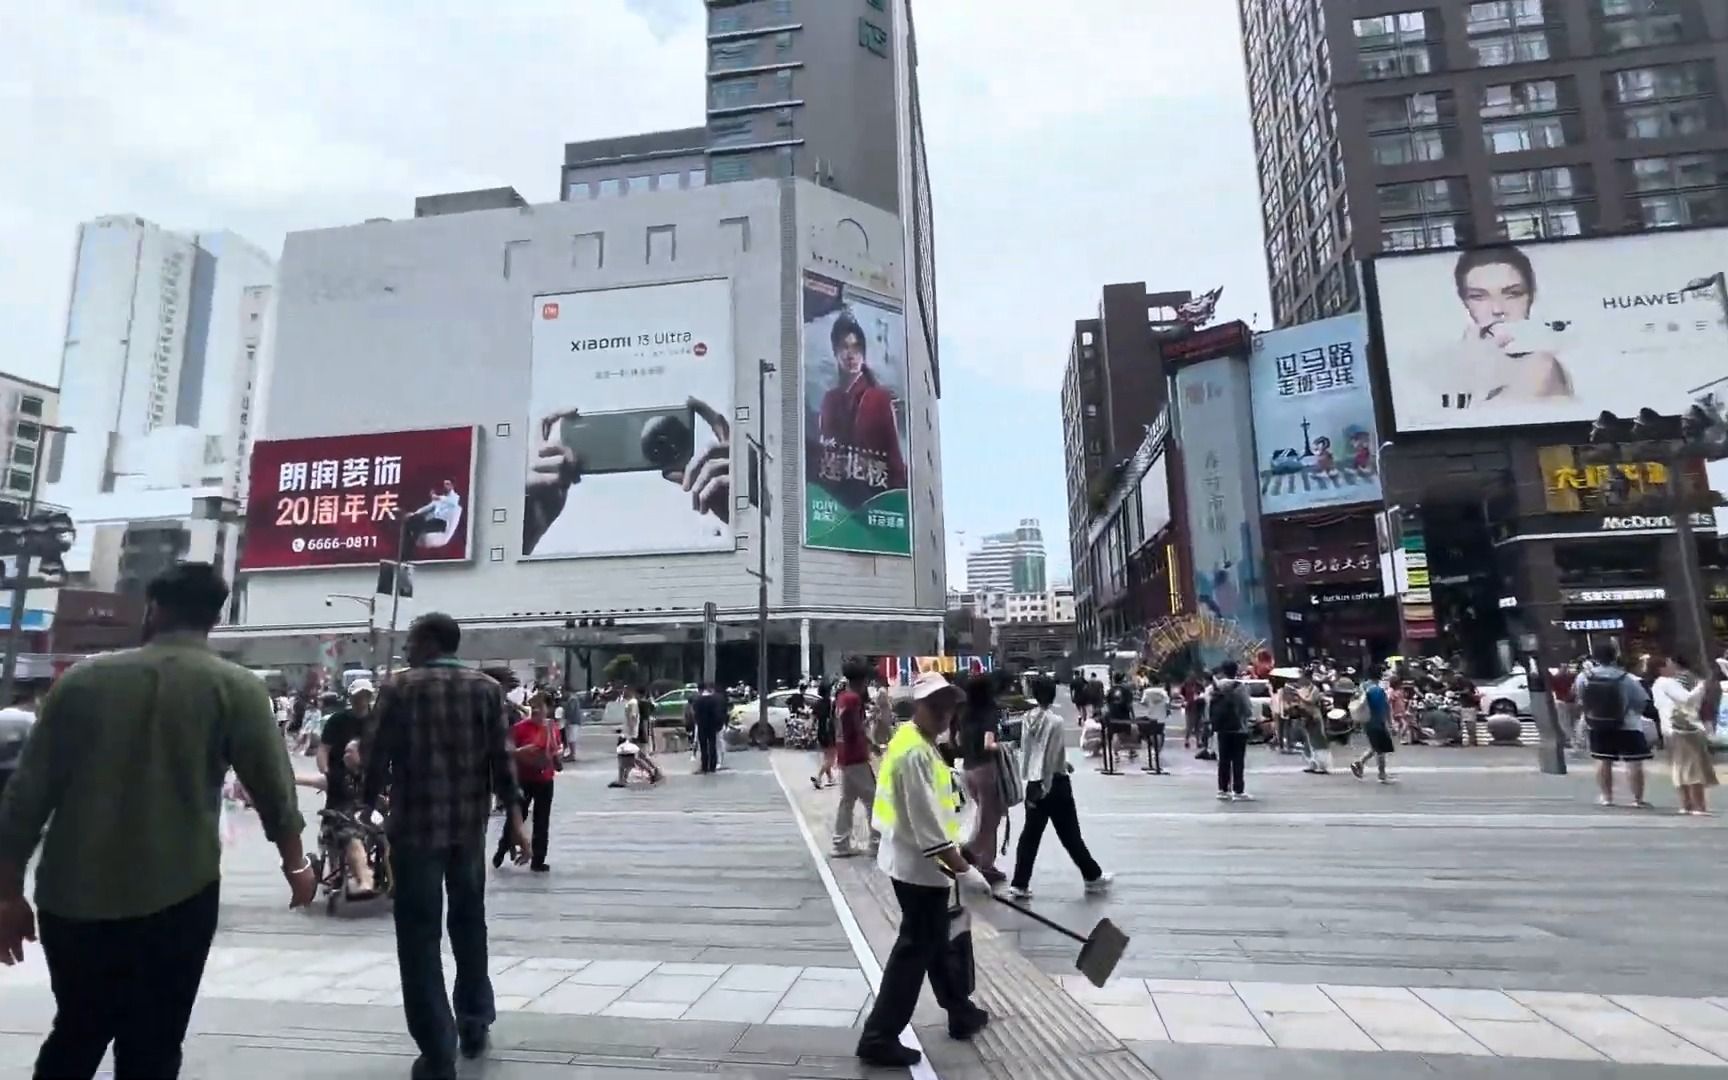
763	370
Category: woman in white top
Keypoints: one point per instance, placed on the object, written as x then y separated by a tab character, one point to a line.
1680	699
1049	796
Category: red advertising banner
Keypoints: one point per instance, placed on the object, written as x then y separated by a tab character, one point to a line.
340	500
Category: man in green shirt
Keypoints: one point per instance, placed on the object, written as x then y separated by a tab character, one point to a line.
125	767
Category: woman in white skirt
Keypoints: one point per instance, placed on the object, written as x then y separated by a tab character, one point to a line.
1681	698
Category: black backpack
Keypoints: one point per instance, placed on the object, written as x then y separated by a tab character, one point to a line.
1604	701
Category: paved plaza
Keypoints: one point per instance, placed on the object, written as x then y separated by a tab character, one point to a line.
1477	919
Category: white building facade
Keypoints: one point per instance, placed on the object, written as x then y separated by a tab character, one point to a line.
166	344
1008	561
437	322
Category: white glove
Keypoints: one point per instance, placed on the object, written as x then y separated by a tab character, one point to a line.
973	880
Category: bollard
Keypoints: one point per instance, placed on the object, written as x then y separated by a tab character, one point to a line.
1551	740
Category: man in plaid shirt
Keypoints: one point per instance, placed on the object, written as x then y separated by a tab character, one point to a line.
442	750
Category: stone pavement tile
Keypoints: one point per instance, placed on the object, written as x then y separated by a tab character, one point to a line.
1621	1035
808	993
645	1010
710	970
744	1006
833	974
576	998
510	1002
1173	1061
681	990
620	973
525	981
1114	992
553	963
1284	998
1404	1022
1458	1005
347	995
1205	1018
1184	986
1314	1031
1132	1021
773	1039
814	1017
759	978
1534	1038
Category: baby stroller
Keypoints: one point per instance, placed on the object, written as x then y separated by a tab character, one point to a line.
335	829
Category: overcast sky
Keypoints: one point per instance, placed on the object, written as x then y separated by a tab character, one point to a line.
1069	147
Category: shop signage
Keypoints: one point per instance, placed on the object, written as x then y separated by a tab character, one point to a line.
1325	566
1571	484
1703	519
1326	597
1229	339
1508	602
1614	596
1579	626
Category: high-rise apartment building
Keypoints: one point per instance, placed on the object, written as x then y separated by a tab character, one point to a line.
1399	125
25	444
166	335
1113	387
1009	562
824	90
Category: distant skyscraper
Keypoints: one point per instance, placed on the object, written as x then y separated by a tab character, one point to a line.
1010	562
159	376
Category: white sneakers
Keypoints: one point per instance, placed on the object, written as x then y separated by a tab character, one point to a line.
1099	885
1015	892
1225	796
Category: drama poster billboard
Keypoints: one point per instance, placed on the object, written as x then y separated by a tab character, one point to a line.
340	500
1314	416
856	447
630	430
1212	411
1545	333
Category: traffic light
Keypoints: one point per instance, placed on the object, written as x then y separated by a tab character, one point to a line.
45	535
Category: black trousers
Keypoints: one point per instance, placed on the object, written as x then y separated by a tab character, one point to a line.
424	878
131	982
537	808
1232	760
919	951
1056	808
708	746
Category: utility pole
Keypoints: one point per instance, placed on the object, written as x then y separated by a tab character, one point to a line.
759	495
52	536
395	595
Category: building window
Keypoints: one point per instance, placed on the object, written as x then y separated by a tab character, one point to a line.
1664	102
1545	204
638	184
1538	115
1686	189
731	55
1388	46
733	132
698	178
730	168
23	455
783	85
1412	127
729	93
32	406
26	431
578	189
1514	31
668	181
1636	24
607	188
782	9
1424	214
1317	196
17	481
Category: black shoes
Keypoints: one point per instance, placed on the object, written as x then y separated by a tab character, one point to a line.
888	1055
540	868
472	1040
967	1024
498	859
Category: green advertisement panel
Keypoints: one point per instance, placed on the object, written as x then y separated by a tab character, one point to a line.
856	449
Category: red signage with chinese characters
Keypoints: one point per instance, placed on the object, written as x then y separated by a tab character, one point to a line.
340	500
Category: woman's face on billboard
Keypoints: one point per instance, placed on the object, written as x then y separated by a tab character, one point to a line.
1496	293
849	353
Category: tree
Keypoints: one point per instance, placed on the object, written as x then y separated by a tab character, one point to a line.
621	670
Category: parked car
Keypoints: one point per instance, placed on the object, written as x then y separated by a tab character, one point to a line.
744	716
1510	696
